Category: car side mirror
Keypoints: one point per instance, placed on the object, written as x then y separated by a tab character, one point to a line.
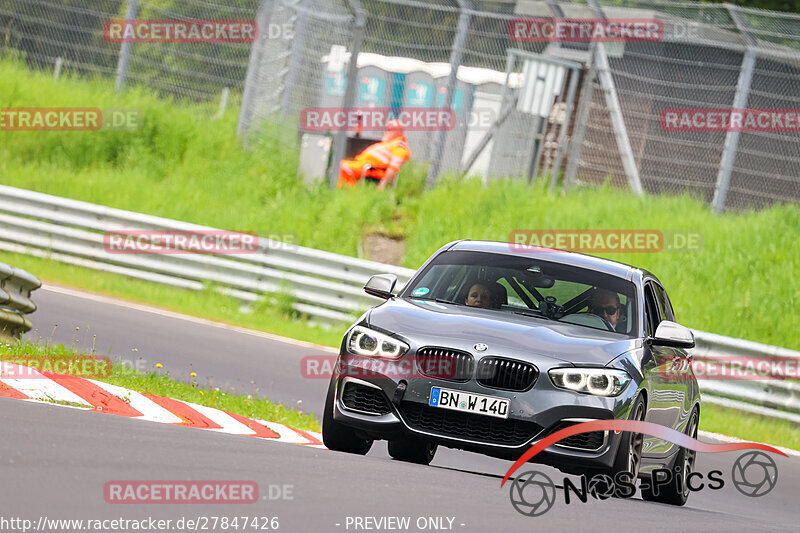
673	335
381	285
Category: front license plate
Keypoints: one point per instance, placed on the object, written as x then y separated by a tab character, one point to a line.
468	402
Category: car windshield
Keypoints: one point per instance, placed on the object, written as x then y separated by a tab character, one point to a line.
541	290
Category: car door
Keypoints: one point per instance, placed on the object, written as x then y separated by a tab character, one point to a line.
668	394
682	379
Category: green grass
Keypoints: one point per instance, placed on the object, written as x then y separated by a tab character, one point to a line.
742	282
158	383
749	426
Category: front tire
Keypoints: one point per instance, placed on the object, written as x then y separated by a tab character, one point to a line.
677	492
335	435
629	453
412	451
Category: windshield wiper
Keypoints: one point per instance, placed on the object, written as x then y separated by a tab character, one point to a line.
526	313
439	300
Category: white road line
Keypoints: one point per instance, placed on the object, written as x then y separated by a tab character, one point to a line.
228	423
150	410
36	386
728	438
287	434
171	314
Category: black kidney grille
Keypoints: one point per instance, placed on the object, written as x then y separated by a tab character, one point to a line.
447	364
506	374
589	442
362	398
470	426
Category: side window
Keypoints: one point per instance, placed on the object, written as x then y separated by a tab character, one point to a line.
651	310
671	310
663	303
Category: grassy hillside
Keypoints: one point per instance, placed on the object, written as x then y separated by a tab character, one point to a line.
743	281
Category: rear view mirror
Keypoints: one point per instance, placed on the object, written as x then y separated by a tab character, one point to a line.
543	282
673	335
381	285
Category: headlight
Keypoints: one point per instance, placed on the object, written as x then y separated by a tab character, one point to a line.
364	341
596	381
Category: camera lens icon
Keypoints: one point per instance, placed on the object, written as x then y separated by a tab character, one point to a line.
754	474
532	493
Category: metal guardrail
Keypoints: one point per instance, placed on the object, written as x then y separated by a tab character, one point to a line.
326	286
15	300
768	395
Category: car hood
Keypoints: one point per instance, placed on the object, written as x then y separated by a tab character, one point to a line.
428	323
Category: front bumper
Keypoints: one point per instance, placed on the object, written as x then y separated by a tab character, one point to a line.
534	414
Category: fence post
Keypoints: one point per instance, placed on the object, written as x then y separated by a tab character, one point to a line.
584	106
618	121
298	45
57	70
125	47
340	139
615	110
223	103
456	54
505	110
562	135
250	92
739	101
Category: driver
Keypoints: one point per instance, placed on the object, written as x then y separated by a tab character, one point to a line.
479	295
606	304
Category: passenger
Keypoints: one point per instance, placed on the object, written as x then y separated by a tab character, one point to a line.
479	295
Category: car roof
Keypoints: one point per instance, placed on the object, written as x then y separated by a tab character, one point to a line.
552	254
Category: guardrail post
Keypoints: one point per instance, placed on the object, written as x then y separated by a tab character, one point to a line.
15	301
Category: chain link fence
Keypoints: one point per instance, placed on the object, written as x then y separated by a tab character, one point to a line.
565	112
68	35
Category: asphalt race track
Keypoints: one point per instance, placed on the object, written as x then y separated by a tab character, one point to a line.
54	461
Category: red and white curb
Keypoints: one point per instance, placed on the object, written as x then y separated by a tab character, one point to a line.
91	395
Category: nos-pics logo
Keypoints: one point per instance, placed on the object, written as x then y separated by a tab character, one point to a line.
533	493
